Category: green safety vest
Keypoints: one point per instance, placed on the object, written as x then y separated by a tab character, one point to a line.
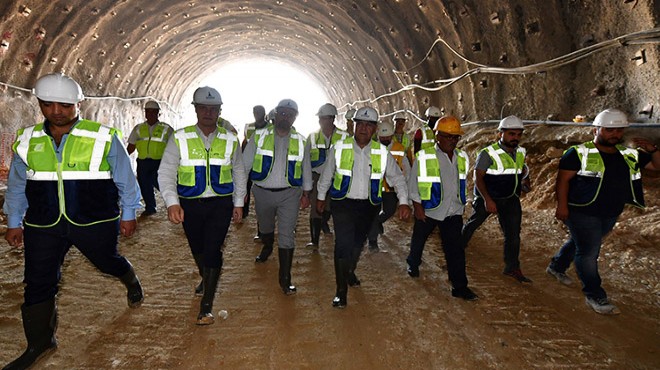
318	149
344	158
503	177
429	181
152	144
264	140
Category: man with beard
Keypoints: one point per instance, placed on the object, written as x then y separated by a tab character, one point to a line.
500	175
595	180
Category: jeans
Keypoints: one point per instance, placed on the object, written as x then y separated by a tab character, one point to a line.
583	247
450	236
509	214
147	176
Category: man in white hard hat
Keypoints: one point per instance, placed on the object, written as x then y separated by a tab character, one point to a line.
149	138
317	146
401	136
385	134
437	186
282	177
203	185
499	175
595	180
424	136
259	113
70	183
354	172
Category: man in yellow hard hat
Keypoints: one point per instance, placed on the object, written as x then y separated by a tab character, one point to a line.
438	191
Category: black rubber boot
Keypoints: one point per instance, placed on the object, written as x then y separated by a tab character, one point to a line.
341	274
315	232
352	265
39	324
286	260
268	240
210	277
324	222
134	293
199	261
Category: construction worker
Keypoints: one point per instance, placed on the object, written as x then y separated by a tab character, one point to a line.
595	180
203	184
149	138
70	183
499	176
425	136
354	172
437	187
350	126
400	135
282	177
259	113
385	133
317	145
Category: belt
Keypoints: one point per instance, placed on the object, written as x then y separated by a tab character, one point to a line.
273	190
201	200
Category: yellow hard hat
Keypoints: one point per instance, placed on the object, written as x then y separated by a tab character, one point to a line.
449	125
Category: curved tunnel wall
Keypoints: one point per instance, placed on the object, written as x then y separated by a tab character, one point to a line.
132	48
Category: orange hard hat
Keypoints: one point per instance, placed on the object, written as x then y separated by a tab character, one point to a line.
449	124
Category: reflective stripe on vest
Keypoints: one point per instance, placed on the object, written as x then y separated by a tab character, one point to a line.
318	150
344	159
398	153
263	157
428	139
152	144
199	168
502	178
429	181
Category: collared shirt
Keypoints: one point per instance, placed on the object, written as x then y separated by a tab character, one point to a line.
451	203
122	174
277	177
169	166
361	175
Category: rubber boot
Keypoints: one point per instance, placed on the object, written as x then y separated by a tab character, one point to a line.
286	260
267	249
39	324
324	222
341	274
210	277
352	265
315	232
199	261
134	293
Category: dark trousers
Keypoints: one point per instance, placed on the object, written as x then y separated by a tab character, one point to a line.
450	236
388	209
147	176
509	214
45	249
246	205
206	221
352	220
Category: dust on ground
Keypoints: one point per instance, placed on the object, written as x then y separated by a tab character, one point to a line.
392	321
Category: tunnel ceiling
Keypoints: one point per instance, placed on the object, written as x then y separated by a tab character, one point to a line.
132	48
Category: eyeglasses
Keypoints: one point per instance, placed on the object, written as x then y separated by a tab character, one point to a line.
449	136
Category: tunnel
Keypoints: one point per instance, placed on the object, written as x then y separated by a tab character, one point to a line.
479	60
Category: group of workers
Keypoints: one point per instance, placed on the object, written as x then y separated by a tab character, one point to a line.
71	184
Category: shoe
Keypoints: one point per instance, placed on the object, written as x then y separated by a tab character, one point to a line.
256	238
413	271
199	289
339	302
465	293
148	213
373	246
518	275
353	280
602	306
560	276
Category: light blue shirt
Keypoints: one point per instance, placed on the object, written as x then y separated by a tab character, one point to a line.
16	203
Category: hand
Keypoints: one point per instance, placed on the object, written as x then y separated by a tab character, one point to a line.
404	211
644	144
127	228
561	213
304	201
320	206
237	215
14	236
419	212
491	207
175	214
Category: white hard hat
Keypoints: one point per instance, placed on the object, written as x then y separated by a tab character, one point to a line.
207	96
152	105
366	114
58	88
327	110
611	118
385	128
511	123
400	115
350	114
433	112
287	103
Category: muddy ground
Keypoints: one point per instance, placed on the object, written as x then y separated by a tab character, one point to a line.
392	321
